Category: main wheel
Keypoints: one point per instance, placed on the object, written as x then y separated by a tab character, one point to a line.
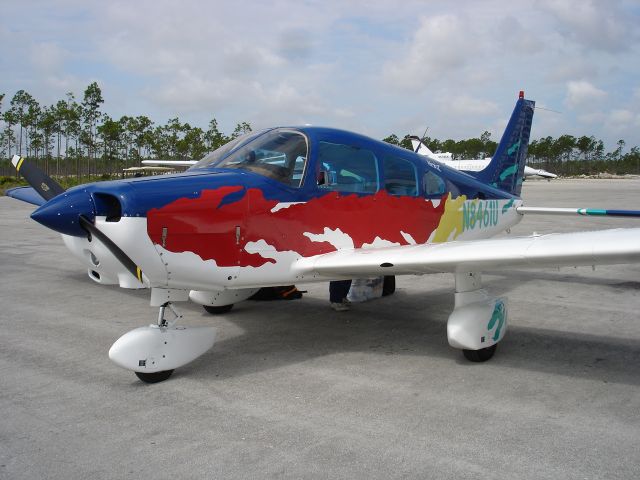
217	310
154	377
481	355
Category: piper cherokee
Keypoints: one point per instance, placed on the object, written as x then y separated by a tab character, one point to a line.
291	205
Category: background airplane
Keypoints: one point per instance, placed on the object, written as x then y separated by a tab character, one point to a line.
305	204
469	165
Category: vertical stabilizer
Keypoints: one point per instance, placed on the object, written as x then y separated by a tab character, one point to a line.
506	169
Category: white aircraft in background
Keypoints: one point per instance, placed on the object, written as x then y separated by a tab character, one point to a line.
170	163
469	165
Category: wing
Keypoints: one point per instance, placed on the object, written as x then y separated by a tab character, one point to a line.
604	247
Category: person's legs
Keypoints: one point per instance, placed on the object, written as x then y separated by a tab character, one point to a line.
338	292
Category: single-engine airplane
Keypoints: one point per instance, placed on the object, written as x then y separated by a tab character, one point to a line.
471	165
306	204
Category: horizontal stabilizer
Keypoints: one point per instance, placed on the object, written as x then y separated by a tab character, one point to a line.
26	194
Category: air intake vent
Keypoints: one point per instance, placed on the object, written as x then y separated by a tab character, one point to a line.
108	205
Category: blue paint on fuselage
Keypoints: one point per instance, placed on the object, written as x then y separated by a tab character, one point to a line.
137	196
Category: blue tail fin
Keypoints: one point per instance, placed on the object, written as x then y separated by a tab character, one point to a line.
506	169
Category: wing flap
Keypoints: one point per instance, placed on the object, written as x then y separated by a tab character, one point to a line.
603	247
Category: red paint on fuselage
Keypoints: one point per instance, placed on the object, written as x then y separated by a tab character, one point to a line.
206	228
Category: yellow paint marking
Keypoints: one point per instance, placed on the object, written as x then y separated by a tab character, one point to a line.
450	225
19	164
139	273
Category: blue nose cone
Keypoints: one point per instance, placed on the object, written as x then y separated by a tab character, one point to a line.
61	213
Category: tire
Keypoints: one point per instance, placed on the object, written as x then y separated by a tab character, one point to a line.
389	285
481	355
217	310
154	377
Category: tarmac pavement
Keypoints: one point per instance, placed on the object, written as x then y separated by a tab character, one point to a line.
295	390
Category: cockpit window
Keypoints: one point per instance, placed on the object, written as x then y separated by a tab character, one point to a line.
220	152
347	168
434	186
399	176
281	155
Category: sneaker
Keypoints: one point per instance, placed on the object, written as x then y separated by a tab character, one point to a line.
340	307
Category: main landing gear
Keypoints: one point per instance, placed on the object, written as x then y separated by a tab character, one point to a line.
217	310
155	351
478	321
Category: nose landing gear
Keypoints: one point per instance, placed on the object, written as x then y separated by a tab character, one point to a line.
155	351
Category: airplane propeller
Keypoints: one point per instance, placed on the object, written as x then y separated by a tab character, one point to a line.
46	186
117	252
48	189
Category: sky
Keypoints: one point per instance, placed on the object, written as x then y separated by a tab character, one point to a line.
374	67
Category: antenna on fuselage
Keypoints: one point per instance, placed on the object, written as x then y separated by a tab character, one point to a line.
420	140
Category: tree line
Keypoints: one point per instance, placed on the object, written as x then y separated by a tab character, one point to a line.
74	137
565	155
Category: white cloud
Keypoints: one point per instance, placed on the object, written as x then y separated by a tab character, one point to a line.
591	24
441	46
517	38
582	94
620	119
187	91
465	105
569	68
369	66
592	118
47	56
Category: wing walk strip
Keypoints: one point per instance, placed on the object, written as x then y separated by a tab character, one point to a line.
604	247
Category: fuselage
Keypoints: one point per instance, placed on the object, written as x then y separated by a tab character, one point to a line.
247	213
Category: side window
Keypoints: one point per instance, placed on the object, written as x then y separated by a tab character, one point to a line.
400	176
346	168
434	185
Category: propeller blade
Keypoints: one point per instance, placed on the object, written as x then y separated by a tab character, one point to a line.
117	252
42	183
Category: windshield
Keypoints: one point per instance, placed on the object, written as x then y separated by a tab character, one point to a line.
278	154
215	156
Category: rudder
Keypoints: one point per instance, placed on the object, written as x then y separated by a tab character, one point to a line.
506	169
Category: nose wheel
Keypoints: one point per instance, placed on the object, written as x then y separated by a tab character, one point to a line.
155	351
154	377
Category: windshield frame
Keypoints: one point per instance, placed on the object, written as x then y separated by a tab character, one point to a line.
286	174
211	159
